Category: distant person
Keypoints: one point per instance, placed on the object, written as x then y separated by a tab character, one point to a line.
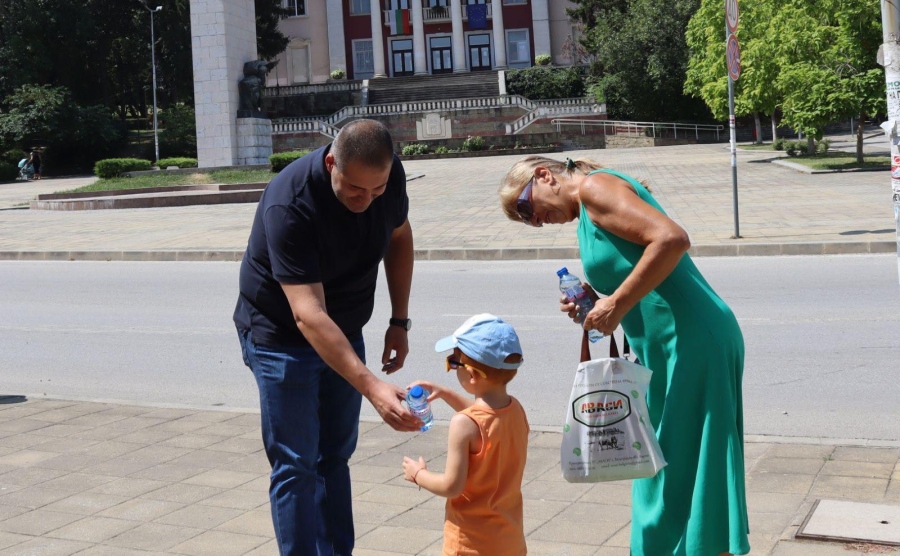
307	288
36	162
487	445
636	257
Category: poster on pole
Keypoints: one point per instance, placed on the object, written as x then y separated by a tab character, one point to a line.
731	15
733	56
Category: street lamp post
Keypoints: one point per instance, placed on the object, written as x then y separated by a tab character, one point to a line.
153	62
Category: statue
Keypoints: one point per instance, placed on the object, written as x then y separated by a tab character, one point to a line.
251	85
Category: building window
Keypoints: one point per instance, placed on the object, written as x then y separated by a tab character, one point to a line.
360	7
363	61
295	7
507	2
518	53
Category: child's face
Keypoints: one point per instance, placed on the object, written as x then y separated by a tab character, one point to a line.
464	373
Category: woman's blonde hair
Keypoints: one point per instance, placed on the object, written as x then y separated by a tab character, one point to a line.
522	171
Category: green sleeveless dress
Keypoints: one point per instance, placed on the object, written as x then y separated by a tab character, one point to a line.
690	339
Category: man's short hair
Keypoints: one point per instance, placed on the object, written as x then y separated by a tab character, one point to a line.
365	142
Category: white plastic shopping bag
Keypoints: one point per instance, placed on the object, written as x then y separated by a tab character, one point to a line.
608	435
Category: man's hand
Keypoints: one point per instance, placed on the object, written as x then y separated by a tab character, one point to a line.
385	398
396	343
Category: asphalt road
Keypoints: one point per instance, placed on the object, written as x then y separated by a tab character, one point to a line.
821	334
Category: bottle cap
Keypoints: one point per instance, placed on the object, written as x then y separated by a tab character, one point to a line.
416	391
562	271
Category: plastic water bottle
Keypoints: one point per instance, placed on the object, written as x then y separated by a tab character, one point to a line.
570	286
417	399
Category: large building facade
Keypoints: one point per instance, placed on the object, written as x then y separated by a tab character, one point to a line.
393	38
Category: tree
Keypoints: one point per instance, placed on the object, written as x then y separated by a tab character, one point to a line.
641	56
270	42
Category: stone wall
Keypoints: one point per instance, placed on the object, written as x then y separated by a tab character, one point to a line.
312	104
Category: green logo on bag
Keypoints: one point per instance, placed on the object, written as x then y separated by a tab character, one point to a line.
634	394
577	451
601	408
566	427
636	445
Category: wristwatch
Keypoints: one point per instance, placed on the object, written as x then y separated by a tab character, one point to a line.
405	324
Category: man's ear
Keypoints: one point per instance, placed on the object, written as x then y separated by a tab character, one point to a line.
329	162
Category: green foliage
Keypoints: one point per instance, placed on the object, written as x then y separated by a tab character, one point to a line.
792	148
546	83
338	74
8	172
823	146
778	145
112	167
441	150
414	149
13	156
270	41
640	57
181	162
542	59
473	143
279	161
178	137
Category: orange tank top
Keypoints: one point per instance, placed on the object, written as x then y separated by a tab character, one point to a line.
486	519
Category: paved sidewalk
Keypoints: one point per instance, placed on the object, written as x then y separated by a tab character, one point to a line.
454	212
106	479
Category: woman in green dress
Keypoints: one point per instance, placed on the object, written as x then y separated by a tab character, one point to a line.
636	257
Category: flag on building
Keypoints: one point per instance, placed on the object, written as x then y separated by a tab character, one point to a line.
477	16
400	23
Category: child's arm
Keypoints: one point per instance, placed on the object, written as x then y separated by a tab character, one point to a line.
450	397
449	484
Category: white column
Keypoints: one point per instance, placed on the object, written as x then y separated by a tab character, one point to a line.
420	60
499	35
337	53
223	37
377	18
540	21
459	39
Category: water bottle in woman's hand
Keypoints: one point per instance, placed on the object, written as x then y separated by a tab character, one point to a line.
570	286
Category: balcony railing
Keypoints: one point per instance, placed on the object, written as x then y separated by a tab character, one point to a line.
437	14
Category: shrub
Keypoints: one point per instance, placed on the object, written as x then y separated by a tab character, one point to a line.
13	156
546	83
181	162
8	172
279	161
414	149
471	143
792	148
823	146
542	59
178	135
441	150
338	74
779	144
112	167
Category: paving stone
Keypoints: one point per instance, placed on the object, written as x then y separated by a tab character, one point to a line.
46	547
200	517
221	479
237	499
255	523
593	513
11	539
780	483
565	532
93	529
419	518
375	512
77	482
770	502
193	441
386	539
858	469
268	549
807	451
141	509
85	503
219	543
800	548
29	476
798	466
128	487
182	493
26	458
546	490
861	489
32	497
169	472
37	522
153	536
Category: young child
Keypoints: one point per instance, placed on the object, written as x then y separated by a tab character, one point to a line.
488	441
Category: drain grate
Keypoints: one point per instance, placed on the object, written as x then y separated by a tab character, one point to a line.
839	520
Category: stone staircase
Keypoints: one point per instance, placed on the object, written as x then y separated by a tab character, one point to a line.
434	87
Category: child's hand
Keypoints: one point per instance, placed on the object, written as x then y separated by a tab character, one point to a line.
435	390
411	467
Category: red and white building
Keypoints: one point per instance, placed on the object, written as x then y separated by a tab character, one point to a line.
392	38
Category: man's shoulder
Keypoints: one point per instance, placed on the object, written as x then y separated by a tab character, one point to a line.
291	186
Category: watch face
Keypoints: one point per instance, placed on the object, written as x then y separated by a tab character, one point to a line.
405	324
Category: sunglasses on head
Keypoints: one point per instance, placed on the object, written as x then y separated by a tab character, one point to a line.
453	364
525	206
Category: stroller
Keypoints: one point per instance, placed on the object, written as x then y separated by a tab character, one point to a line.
26	170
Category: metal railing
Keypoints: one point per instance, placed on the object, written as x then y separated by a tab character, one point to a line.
437	14
555	107
647	129
290	90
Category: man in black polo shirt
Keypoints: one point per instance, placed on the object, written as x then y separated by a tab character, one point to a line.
307	288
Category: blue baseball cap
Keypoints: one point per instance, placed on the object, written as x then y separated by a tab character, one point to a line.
487	339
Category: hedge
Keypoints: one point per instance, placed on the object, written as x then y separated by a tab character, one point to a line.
112	167
181	162
279	161
8	172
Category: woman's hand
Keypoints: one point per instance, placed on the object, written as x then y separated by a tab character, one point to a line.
571	308
605	316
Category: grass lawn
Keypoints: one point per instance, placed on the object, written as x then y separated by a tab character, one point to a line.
841	161
754	147
164	179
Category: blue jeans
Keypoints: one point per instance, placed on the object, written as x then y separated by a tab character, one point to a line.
310	424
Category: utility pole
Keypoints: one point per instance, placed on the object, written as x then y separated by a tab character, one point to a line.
153	63
890	59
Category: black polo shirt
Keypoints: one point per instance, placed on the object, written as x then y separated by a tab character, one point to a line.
302	234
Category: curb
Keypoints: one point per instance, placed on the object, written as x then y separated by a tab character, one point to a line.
485	254
808	170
